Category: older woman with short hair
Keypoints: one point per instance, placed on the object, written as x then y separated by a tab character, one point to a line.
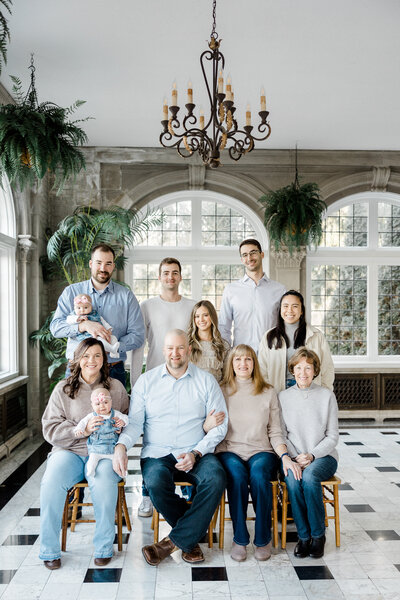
310	426
68	404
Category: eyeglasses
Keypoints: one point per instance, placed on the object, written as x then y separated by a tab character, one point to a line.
250	254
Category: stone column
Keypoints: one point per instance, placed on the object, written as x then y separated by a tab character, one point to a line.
288	266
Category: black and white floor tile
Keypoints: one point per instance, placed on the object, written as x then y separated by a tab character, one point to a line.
365	567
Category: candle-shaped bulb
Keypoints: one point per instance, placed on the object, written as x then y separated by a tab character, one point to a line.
220	82
263	103
201	118
248	115
165	110
174	95
190	93
229	88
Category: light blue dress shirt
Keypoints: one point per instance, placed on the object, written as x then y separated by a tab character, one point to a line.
253	308
116	304
171	412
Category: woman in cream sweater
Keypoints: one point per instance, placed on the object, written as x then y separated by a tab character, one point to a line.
251	450
278	345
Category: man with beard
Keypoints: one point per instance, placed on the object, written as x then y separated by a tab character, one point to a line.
114	302
170	404
251	303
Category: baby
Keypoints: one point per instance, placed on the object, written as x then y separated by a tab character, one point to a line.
83	311
101	442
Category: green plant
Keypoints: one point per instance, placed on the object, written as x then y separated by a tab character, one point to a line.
68	255
293	215
4	32
39	138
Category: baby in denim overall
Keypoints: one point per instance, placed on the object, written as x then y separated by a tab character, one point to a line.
102	441
84	311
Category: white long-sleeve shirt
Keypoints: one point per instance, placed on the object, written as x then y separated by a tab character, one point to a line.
251	307
159	317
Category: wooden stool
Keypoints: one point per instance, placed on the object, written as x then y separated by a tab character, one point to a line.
157	518
121	511
223	518
330	495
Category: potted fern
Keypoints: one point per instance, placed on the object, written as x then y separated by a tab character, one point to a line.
293	214
37	138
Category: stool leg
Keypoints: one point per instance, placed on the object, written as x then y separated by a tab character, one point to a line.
126	511
274	514
210	531
74	503
336	512
222	522
284	515
65	524
156	523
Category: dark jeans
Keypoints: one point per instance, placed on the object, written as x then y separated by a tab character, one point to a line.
116	370
306	497
189	522
256	473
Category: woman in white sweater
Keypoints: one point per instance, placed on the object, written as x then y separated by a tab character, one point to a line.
310	426
278	345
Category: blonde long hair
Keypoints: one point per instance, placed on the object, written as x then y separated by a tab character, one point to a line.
193	332
229	380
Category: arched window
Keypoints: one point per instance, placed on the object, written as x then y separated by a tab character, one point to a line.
354	278
8	313
203	230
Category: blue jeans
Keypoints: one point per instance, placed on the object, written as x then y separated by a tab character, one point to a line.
256	473
116	371
189	522
306	497
63	470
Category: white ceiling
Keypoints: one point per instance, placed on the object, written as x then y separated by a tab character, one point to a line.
330	67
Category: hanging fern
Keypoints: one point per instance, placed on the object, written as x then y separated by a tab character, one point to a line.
35	139
293	215
4	32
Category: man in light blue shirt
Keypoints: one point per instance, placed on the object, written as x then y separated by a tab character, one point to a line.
252	303
114	302
170	404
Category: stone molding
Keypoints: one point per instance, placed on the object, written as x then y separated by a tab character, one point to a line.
380	179
284	260
26	245
197	177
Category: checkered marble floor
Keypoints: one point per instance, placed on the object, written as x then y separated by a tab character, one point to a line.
365	567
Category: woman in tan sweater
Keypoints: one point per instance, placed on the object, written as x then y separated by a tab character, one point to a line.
250	451
68	404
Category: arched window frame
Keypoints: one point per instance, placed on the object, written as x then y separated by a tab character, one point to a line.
372	256
196	254
8	292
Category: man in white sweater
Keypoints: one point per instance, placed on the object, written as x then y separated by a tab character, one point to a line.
162	313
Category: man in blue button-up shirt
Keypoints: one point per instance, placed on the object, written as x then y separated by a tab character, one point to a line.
170	404
114	302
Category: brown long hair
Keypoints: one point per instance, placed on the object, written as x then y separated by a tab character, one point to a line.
193	332
229	379
72	383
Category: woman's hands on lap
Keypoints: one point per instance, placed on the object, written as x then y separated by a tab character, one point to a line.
289	465
304	459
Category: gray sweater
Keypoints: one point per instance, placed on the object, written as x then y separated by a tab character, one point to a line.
310	421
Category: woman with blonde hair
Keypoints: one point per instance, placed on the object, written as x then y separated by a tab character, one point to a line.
209	350
250	451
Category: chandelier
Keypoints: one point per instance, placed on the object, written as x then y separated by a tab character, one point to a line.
221	130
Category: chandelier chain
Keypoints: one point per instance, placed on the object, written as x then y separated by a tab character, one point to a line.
214	33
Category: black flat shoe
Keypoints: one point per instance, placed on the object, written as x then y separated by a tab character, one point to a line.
302	548
317	547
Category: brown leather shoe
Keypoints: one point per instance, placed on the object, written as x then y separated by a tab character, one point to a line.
155	553
194	556
102	562
52	564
